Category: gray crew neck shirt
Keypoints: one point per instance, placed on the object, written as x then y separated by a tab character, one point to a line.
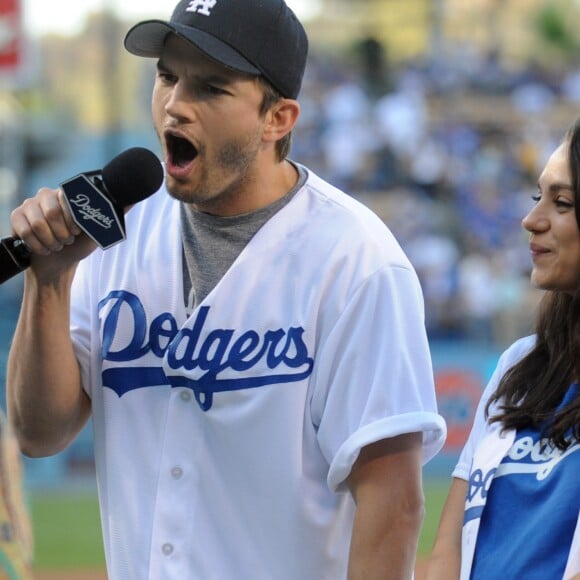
212	243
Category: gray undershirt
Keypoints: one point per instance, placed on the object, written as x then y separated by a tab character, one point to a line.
212	243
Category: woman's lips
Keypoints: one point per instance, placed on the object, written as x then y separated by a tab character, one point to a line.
537	251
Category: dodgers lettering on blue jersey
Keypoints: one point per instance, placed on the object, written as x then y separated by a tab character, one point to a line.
478	487
531	507
204	355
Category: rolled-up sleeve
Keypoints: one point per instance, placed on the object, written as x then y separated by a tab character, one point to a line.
374	376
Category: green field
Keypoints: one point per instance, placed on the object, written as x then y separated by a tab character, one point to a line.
435	494
68	533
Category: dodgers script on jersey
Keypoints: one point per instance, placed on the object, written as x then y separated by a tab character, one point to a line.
223	439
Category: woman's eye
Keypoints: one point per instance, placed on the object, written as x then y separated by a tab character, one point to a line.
564	203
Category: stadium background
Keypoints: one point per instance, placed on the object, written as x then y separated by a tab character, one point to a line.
439	114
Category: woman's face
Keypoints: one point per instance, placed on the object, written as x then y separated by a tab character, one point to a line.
554	233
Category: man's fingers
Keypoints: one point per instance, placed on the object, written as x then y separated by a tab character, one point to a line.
72	226
42	223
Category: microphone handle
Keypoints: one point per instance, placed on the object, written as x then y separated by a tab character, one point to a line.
14	258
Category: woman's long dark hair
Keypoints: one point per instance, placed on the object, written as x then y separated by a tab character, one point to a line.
529	393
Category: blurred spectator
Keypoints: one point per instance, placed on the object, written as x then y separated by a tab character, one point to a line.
346	139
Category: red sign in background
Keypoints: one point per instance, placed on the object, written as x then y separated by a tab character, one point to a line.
10	35
458	394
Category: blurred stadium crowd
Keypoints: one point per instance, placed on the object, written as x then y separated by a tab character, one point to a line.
452	181
447	150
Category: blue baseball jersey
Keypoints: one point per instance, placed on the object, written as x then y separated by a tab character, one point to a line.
532	507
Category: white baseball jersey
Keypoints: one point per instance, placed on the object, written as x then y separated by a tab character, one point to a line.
223	439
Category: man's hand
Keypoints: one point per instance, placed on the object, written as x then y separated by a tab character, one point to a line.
45	225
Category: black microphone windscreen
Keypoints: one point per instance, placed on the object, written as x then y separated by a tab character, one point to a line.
132	176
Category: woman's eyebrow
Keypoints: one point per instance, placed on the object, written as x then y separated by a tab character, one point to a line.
556	186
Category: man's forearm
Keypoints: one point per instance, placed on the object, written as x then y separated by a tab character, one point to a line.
387	548
46	404
387	488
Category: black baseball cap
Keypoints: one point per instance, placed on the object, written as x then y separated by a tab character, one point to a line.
258	37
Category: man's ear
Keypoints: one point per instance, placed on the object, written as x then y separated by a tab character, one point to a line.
281	119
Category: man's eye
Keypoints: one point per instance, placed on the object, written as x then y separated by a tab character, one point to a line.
213	90
166	77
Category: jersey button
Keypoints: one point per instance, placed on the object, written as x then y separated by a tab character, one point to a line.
185	396
176	472
167	549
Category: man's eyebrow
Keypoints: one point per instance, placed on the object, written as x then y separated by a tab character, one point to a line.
210	78
214	78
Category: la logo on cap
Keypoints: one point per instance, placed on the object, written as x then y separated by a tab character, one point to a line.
201	6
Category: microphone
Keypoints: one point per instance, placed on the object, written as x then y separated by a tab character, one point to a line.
96	200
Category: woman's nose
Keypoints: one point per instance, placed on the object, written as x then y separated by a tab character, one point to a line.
535	220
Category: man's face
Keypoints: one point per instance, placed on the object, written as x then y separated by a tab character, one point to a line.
208	121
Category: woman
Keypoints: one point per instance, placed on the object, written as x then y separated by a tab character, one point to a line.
512	509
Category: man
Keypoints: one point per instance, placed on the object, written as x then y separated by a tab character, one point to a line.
254	356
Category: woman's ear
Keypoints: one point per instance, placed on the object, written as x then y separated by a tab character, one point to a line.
281	119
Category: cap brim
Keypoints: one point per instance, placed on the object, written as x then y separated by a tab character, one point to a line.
148	38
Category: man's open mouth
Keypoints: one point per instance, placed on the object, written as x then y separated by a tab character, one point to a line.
179	150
